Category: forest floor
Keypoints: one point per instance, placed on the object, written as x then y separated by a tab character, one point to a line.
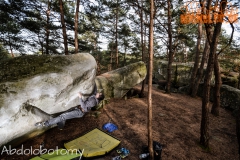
176	124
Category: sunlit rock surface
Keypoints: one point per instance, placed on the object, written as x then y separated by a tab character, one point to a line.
33	88
116	83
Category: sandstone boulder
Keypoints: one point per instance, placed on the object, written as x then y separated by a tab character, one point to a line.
35	88
230	97
117	83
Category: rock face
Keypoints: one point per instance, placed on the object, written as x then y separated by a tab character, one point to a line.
35	88
118	82
229	96
43	86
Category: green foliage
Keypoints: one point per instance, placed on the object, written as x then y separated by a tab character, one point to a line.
23	27
229	58
17	16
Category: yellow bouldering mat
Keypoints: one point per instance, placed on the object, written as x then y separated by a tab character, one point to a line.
93	143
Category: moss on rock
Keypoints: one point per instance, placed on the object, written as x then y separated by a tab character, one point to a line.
26	66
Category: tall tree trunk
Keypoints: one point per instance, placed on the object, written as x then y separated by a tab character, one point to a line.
76	26
116	38
201	68
10	45
41	44
150	139
204	138
170	53
143	57
125	52
63	28
111	60
47	28
98	59
218	84
12	55
196	64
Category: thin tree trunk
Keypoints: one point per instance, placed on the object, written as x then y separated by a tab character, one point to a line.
150	139
116	38
12	55
98	64
47	28
201	68
143	57
185	55
41	44
146	55
10	45
218	84
204	138
170	55
76	26
111	60
125	52
63	28
196	64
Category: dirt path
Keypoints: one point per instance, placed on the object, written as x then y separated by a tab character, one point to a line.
176	124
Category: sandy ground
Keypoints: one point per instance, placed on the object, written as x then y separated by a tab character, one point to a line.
176	124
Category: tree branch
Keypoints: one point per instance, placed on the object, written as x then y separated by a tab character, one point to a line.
230	41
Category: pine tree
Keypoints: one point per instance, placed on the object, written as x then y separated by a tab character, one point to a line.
213	40
150	138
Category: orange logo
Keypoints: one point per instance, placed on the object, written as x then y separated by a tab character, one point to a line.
193	13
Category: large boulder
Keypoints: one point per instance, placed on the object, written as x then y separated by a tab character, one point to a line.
36	88
117	83
230	97
33	88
